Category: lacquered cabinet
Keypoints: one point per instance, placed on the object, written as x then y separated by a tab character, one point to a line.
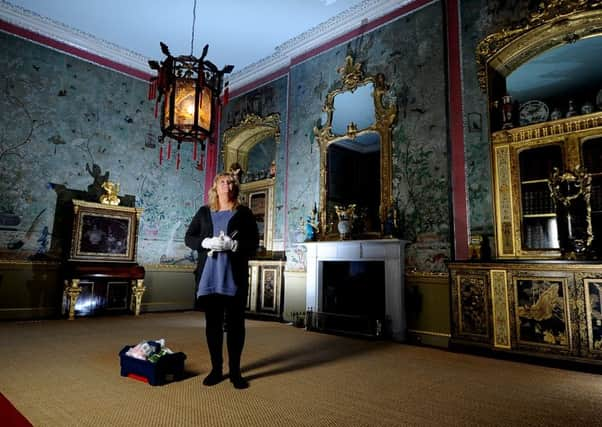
544	308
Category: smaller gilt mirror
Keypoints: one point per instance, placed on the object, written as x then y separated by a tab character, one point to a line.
355	152
252	146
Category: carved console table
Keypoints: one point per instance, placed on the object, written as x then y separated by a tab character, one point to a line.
101	274
103	287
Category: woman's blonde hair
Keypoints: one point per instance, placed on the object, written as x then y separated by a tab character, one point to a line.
213	199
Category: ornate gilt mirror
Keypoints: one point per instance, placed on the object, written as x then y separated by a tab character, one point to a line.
355	151
252	145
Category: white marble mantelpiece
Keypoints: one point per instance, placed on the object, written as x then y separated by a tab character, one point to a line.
391	251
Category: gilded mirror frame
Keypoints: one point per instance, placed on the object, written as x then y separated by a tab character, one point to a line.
352	77
555	23
238	140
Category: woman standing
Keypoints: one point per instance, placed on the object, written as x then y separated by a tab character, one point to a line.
225	235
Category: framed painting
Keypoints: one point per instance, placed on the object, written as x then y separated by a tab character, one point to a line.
259	197
103	232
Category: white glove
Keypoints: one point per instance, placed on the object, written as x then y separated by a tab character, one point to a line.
210	242
229	244
219	243
213	243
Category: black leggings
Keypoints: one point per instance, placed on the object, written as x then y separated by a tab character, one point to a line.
233	309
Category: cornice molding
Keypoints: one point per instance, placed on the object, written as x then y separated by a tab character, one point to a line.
343	23
339	25
72	37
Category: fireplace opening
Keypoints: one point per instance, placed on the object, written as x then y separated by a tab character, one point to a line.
353	298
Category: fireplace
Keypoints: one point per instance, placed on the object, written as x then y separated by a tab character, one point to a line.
356	287
353	299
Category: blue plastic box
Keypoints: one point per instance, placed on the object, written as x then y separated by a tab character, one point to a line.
169	365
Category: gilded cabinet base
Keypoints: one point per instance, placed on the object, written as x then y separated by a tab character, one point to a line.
73	289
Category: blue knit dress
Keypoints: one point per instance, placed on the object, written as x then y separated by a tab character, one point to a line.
217	275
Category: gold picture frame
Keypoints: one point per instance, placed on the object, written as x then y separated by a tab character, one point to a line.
259	197
104	233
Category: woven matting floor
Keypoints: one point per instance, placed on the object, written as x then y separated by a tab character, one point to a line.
67	373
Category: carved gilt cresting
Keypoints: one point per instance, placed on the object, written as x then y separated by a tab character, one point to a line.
555	23
352	77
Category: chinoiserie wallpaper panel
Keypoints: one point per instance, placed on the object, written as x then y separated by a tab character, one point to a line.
66	123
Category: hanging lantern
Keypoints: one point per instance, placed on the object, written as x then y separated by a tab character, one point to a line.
190	88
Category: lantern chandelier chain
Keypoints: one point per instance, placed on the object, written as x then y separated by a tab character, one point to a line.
193	22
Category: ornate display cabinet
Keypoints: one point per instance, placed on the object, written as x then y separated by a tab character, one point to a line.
101	274
523	160
540	294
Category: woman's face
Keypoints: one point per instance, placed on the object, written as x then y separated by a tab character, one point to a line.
225	187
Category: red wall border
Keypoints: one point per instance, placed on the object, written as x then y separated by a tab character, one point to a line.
72	50
456	130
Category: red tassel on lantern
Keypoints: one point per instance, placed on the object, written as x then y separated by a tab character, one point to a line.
168	150
152	89
156	109
160	155
178	161
194	150
226	95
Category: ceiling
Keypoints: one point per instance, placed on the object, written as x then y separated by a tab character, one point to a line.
239	32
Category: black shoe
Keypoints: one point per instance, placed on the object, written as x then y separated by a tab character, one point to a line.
239	382
214	377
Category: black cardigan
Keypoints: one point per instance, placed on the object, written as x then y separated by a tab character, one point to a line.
243	222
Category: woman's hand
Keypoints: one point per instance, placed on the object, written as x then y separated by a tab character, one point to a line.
220	243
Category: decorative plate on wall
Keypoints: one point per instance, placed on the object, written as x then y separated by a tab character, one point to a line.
533	112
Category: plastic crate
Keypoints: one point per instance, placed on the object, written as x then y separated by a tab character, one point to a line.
167	367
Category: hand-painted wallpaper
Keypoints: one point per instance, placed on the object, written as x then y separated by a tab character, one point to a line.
410	54
69	124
